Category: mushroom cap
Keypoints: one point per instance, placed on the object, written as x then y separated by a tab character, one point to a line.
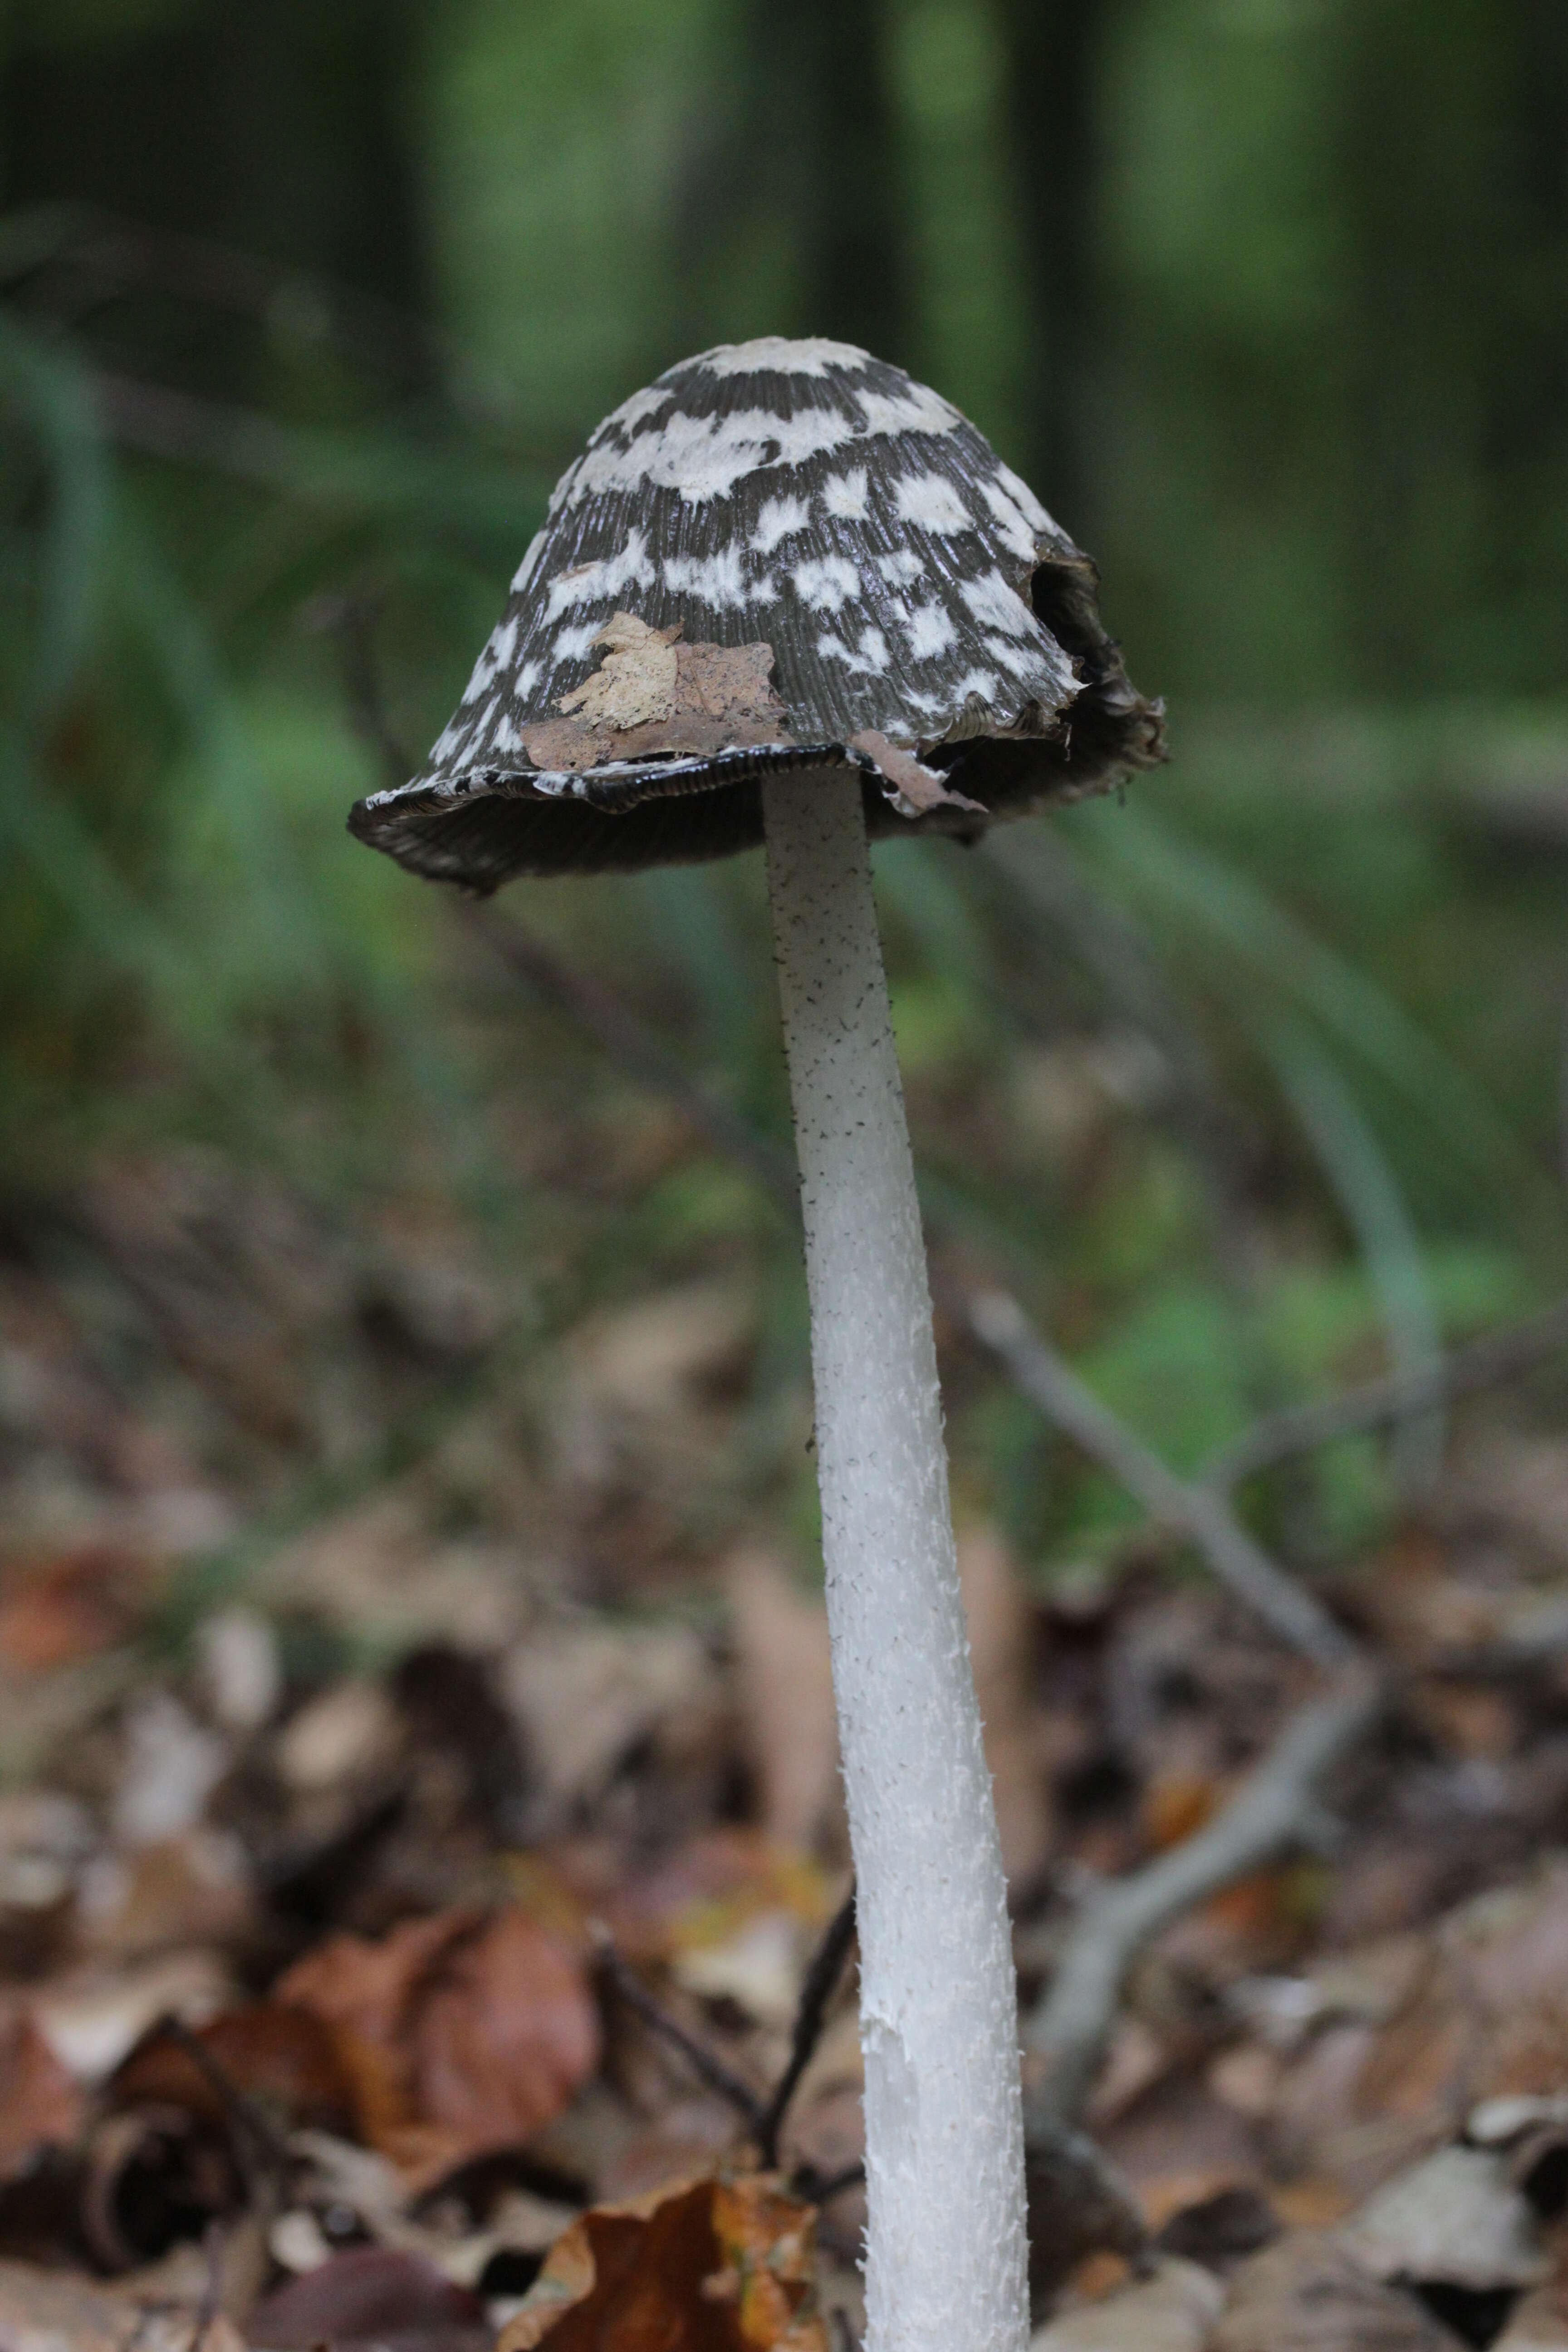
780	554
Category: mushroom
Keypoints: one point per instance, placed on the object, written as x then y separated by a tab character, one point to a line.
788	594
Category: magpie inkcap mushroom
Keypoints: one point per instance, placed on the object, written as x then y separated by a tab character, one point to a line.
788	595
781	555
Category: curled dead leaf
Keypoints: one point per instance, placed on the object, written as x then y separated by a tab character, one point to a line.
712	2265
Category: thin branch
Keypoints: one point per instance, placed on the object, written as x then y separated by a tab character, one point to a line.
1241	1564
810	2016
1275	1809
709	2070
1483	1363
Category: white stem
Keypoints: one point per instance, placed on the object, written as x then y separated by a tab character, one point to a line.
946	2252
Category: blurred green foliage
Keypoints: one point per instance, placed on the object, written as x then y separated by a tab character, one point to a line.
305	307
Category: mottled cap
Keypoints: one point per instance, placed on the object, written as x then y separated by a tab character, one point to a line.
780	555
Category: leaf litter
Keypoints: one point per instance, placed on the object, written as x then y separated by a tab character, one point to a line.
324	1898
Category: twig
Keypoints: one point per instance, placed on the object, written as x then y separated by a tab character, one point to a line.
1483	1364
709	2070
1275	1809
1241	1564
811	2013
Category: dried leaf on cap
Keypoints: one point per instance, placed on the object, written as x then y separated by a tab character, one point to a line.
367	2295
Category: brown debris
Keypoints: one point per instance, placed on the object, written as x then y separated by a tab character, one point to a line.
919	789
652	696
635	683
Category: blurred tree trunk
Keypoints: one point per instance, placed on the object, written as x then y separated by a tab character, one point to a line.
1055	57
809	159
274	129
1454	162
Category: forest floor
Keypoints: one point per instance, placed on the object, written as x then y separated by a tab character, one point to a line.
402	1864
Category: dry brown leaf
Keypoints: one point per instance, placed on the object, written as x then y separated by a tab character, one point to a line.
784	1690
1171	2312
466	2033
277	2052
369	2295
39	2103
507	2031
1308	2294
714	2266
997	1613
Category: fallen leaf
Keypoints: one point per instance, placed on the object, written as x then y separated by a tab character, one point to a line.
1171	2312
714	2266
1308	2294
507	2031
1220	2228
1455	2218
371	2294
193	1888
707	1892
477	2029
281	2055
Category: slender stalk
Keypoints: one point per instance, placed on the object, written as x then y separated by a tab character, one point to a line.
944	2168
